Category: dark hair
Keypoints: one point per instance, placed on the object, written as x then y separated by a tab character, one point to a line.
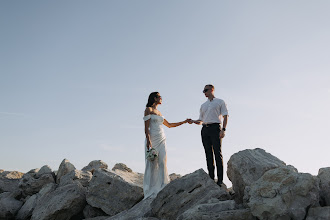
210	85
151	99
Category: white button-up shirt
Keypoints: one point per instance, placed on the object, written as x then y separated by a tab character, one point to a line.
213	111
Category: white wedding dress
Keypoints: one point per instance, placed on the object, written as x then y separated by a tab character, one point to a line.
155	175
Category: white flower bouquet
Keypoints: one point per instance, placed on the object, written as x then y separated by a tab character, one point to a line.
152	154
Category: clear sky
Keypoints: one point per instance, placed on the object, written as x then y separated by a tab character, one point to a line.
75	77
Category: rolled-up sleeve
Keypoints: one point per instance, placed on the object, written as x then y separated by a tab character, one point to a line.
200	114
223	109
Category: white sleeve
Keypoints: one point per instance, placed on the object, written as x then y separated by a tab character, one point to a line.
146	118
200	114
223	109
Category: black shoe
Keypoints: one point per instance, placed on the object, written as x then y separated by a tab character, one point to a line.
219	183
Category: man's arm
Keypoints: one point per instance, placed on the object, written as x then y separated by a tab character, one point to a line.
224	125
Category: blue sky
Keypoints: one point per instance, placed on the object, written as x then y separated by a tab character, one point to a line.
75	77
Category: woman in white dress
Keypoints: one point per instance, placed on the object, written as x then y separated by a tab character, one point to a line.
155	175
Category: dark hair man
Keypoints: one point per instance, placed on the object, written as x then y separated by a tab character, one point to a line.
211	114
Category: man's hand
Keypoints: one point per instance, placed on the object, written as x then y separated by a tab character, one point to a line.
222	134
189	120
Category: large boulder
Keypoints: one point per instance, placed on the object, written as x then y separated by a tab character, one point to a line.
61	203
65	168
319	213
91	212
222	210
26	210
247	166
140	210
76	175
94	165
324	176
174	176
9	206
113	193
184	193
283	193
126	173
32	183
9	180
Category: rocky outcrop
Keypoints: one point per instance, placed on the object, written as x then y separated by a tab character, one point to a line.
9	180
283	193
65	168
264	188
31	183
180	195
62	203
124	192
9	205
94	165
319	213
83	177
324	177
247	166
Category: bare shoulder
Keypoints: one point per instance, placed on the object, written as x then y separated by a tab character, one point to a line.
147	111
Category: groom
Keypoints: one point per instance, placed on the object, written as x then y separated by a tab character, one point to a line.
211	114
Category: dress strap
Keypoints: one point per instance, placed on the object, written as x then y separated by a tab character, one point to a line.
146	118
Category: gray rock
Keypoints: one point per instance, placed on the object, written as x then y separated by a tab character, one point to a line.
236	214
184	193
91	212
140	210
65	168
34	171
76	175
324	176
94	165
247	166
26	210
283	193
60	204
174	176
122	167
113	193
32	183
9	181
98	218
9	206
44	170
210	210
319	213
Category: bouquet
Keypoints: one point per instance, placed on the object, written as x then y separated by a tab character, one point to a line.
152	154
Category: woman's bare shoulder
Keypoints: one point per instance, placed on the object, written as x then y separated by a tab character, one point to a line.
147	111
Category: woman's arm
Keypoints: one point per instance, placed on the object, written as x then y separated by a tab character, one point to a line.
172	125
146	128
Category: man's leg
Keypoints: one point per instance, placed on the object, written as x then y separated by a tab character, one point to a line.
207	143
216	143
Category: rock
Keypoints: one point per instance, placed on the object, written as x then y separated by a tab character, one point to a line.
98	218
9	206
128	175
62	203
65	167
140	210
94	165
32	183
184	193
26	210
211	210
324	176
76	175
282	193
247	166
319	213
91	212
9	181
113	193
36	170
122	167
44	170
174	176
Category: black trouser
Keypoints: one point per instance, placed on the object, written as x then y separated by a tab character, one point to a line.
212	144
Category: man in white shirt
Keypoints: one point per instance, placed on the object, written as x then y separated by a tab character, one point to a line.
211	114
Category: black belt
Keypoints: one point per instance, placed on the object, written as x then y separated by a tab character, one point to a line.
211	125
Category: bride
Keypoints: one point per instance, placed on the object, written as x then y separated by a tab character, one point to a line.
155	175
